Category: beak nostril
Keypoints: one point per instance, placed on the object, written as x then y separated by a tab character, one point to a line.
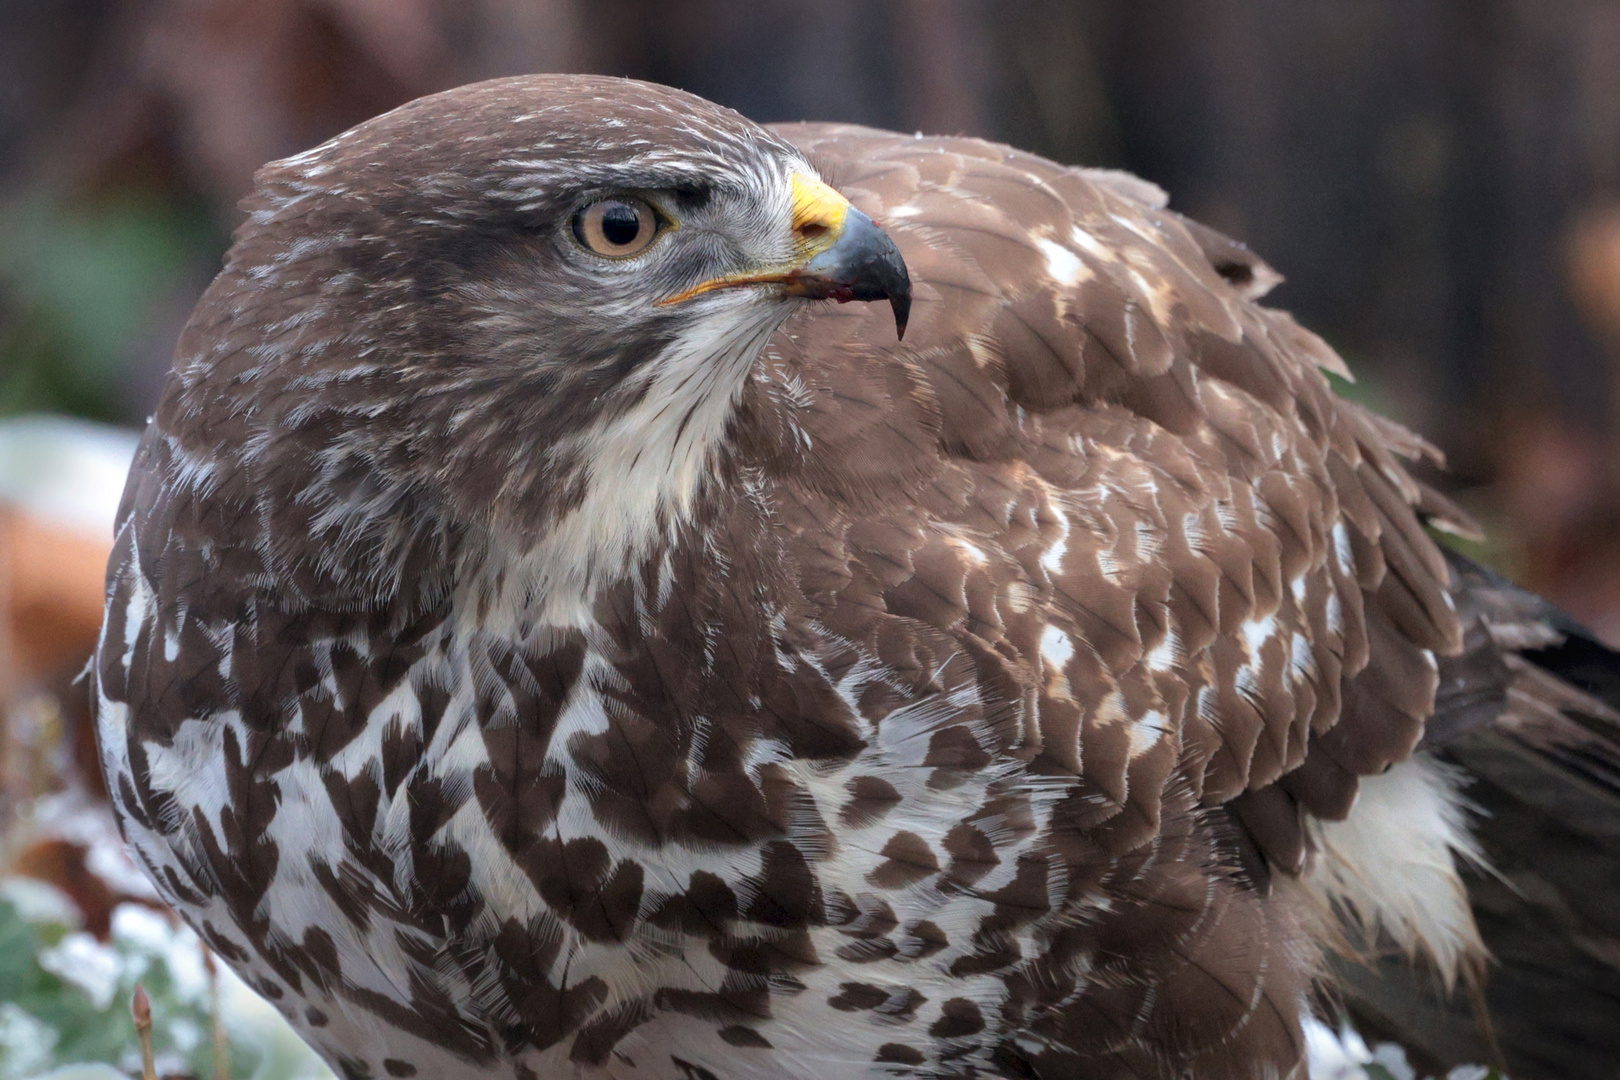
843	257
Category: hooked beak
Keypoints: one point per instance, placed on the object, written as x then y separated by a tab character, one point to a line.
843	255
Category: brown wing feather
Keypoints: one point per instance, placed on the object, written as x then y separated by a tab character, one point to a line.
1102	484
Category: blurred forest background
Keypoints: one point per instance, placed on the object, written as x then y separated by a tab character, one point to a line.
1438	180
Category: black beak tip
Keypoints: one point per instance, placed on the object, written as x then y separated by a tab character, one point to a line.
901	303
863	264
888	277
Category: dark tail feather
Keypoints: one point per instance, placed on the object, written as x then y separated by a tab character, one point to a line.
1531	711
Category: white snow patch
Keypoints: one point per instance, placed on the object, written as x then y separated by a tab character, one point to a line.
81	960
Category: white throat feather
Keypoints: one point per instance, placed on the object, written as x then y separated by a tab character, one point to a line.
643	470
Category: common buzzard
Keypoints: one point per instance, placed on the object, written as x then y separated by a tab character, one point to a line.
543	641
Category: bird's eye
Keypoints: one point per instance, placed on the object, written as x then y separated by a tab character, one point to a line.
616	227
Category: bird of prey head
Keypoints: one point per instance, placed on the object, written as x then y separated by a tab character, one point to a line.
523	309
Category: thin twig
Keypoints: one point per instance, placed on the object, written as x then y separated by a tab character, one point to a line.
222	1049
142	1008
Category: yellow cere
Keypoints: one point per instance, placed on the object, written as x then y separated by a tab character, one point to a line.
818	213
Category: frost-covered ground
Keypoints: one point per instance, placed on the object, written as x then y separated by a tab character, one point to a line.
64	997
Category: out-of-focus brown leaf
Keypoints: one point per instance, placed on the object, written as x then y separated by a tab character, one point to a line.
50	615
50	595
62	863
1592	262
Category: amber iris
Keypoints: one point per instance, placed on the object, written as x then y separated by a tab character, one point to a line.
616	227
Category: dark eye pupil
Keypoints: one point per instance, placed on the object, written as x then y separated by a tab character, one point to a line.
620	224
